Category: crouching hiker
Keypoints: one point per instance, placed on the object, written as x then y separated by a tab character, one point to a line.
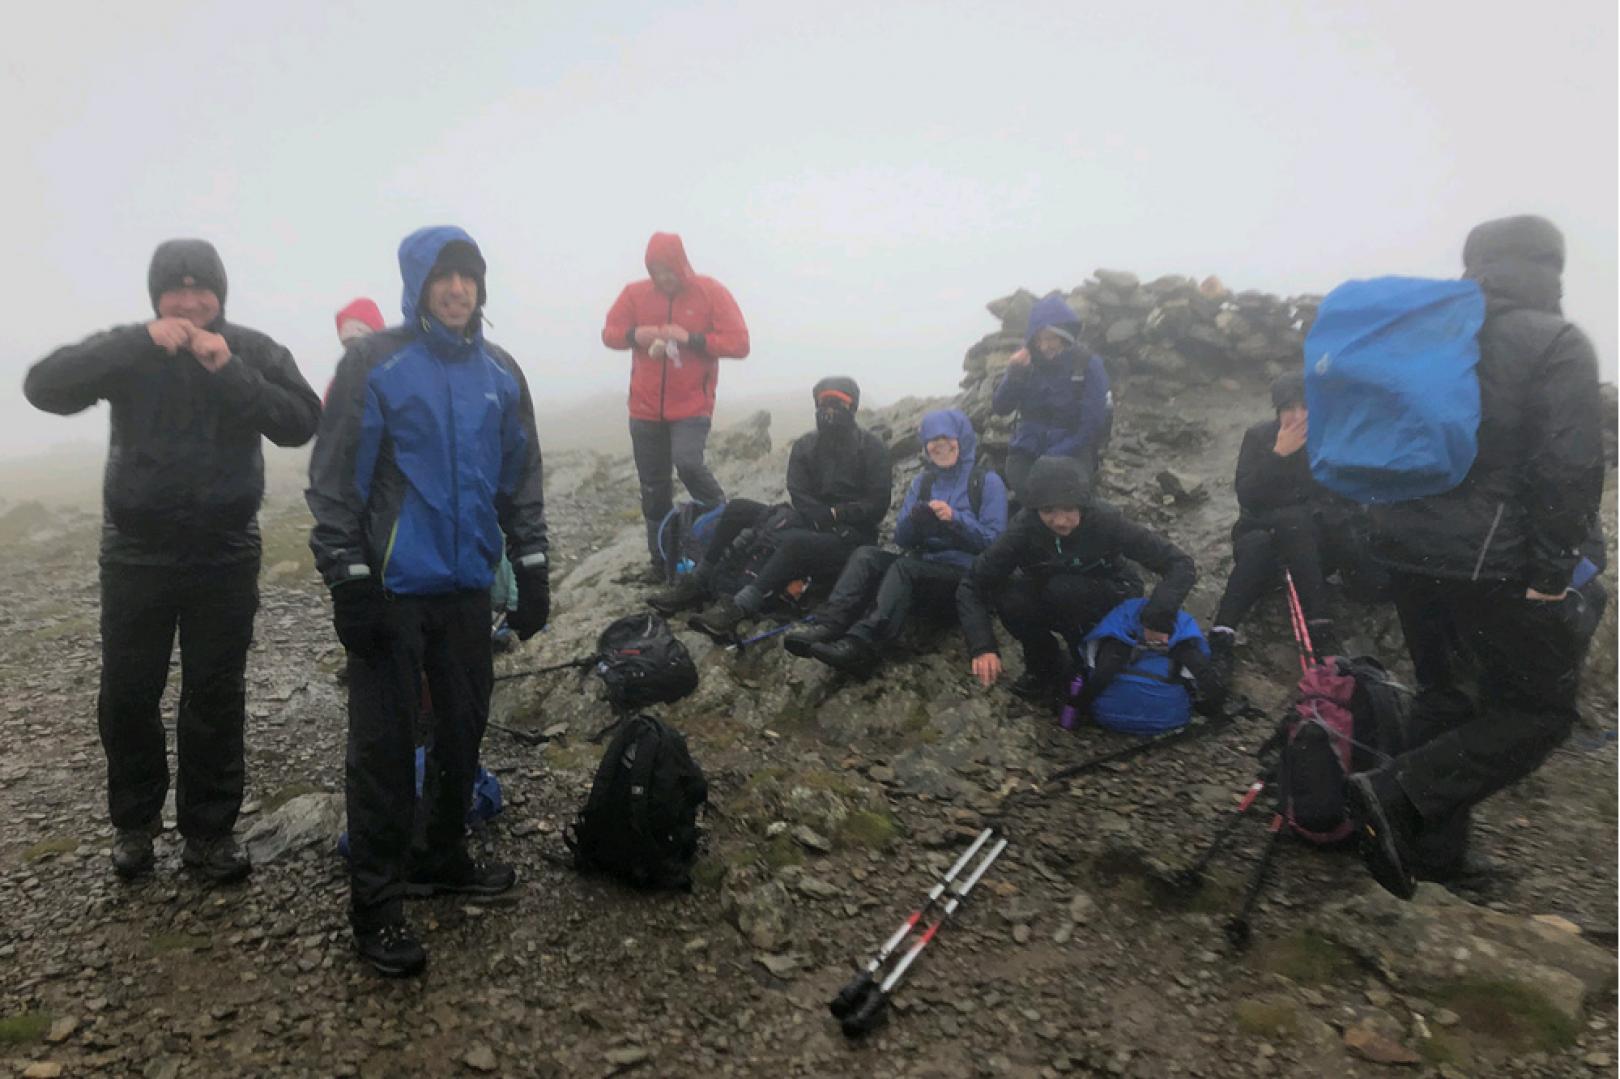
427	454
950	514
1058	569
838	482
191	396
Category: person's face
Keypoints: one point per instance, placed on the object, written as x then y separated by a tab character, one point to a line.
1293	415
194	303
665	279
352	330
1061	519
1047	345
943	451
452	298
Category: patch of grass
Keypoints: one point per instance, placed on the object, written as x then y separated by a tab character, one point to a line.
709	873
164	943
24	1027
782	851
1308	958
50	848
287	794
865	828
1515	1015
818	780
567	756
1443	1047
1266	1018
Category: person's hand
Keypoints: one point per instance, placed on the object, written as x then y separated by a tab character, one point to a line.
987	668
1290	437
646	335
675	333
1019	358
169	334
1544	597
210	349
1155	636
534	602
360	616
942	510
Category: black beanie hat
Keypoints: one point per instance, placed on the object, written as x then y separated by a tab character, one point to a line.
1288	390
1053	483
463	257
839	384
176	260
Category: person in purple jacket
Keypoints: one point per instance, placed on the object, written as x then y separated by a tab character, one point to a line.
1059	390
951	513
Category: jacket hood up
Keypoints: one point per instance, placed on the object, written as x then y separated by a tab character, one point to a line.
361	310
1053	312
666	249
1518	262
950	423
418	253
176	260
1055	482
837	384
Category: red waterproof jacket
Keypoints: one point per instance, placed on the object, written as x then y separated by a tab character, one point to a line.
659	389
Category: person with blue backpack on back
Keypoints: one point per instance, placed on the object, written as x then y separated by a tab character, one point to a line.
1060	390
426	466
952	511
1483	571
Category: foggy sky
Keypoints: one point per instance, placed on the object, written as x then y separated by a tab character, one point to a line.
863	177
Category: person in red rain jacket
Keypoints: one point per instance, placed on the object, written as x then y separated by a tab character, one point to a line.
678	325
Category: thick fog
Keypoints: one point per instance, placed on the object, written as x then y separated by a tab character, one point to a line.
862	176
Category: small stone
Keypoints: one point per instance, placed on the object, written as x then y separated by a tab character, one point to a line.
45	1069
62	1030
1445	1017
626	1056
1021	933
818	889
775	828
1063	933
1373	1046
1081	908
1558	922
781	966
1598	1060
812	840
480	1058
880	773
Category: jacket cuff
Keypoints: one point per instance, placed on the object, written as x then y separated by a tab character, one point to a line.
1551	579
237	383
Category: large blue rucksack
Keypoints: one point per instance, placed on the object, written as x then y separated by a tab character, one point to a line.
1391	386
1153	693
683	536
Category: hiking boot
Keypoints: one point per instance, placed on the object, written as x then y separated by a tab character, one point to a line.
1222	643
851	655
132	850
1037	687
720	619
1384	821
1475	873
650	576
220	861
392	950
482	880
685	594
799	641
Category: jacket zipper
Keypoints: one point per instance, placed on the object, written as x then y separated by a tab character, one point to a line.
1479	563
455	476
663	373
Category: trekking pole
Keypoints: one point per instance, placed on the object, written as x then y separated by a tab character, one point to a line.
1302	630
582	661
854	993
1237	930
528	738
1193	876
775	631
875	1008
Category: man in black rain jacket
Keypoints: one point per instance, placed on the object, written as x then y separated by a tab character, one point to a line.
191	396
1059	568
1482	572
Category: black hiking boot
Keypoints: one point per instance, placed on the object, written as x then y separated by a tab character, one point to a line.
480	880
1038	687
851	655
720	619
219	861
1222	642
1384	821
798	641
392	950
132	850
685	594
651	575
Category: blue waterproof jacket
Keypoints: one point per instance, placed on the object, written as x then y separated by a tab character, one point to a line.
427	453
957	541
1064	406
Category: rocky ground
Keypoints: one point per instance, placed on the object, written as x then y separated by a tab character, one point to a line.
834	804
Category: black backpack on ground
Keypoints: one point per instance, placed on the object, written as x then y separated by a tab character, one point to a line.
753	547
639	824
642	662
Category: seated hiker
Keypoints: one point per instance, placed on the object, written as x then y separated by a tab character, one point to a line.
1060	392
1059	568
950	514
1116	645
838	482
1285	520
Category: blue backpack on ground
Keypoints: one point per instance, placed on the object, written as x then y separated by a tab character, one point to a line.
1391	386
683	536
1153	693
486	796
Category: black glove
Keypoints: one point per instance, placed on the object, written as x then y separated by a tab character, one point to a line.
534	602
360	613
923	516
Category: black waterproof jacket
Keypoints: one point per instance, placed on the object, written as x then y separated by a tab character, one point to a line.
185	470
1532	495
1098	548
1269	486
841	481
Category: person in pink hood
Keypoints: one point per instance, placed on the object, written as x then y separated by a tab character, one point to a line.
677	325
